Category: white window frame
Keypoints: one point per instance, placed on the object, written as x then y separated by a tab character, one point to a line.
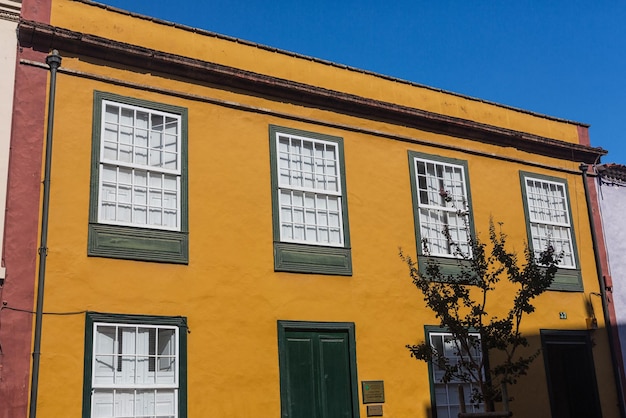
449	391
549	205
318	194
452	205
151	171
113	388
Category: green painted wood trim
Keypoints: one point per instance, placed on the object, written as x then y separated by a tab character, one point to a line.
87	366
449	266
431	378
348	327
134	243
177	321
300	258
567	280
303	258
130	243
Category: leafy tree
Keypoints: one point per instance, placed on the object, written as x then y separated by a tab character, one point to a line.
461	303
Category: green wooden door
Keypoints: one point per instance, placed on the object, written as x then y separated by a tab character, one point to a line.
317	374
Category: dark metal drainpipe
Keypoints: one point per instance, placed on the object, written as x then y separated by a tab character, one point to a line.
605	310
54	62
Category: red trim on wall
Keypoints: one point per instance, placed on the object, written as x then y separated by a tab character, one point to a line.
21	234
38	10
583	135
22	223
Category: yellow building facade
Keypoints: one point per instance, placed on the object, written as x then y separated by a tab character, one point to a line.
222	213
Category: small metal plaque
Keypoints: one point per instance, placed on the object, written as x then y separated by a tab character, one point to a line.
374	410
373	391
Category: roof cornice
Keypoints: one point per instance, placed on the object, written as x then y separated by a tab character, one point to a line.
45	37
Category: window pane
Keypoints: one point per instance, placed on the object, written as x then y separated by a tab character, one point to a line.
309	194
125	153
135	355
443	206
155	198
155	217
446	394
286	232
166	356
141	120
102	404
305	217
165	403
104	355
171	125
134	137
549	219
170	160
112	113
141	155
155	158
298	234
127	117
169	200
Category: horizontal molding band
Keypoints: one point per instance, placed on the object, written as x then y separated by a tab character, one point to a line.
287	116
45	37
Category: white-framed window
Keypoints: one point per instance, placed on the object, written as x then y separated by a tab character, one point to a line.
443	205
140	167
446	395
309	190
138	205
549	218
135	370
311	231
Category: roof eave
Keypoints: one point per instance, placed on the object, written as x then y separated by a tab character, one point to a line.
45	37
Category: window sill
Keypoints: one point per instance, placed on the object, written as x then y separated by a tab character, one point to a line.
302	258
447	266
567	280
130	243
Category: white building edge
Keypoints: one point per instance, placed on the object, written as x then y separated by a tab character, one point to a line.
9	16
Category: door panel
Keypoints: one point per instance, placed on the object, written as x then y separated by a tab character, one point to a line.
318	371
301	375
335	376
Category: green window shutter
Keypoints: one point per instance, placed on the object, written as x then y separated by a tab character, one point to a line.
449	264
566	279
304	255
317	370
137	242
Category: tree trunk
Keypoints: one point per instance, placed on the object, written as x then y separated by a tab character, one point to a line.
487	389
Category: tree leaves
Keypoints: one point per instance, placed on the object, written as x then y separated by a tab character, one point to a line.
460	301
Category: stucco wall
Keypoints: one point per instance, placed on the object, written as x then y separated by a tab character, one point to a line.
86	18
612	203
229	291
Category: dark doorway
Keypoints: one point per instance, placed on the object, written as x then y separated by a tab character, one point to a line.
571	374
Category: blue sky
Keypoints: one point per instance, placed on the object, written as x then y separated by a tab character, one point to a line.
563	58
